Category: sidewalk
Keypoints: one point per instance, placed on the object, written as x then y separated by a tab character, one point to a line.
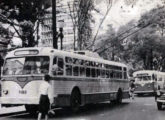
10	110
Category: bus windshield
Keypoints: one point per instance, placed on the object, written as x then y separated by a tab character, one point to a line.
26	65
143	78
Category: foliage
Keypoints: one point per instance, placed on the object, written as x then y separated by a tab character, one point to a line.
23	12
27	33
141	45
23	9
5	34
80	12
108	8
84	22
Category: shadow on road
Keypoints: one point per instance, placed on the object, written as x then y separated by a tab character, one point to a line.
87	110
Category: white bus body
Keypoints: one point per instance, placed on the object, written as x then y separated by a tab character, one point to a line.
82	78
146	81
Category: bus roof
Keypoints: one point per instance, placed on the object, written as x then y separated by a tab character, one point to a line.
51	52
149	72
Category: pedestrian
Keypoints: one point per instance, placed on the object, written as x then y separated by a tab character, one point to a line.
132	89
44	102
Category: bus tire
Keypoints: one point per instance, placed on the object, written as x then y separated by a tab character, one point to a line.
119	96
159	105
32	109
75	100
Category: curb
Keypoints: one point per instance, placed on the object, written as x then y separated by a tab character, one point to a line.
11	110
9	114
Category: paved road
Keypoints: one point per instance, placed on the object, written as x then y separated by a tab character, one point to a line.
142	108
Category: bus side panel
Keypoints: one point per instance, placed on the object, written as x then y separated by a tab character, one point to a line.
92	91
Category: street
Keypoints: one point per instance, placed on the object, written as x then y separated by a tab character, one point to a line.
142	108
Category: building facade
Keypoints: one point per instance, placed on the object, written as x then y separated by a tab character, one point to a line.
63	20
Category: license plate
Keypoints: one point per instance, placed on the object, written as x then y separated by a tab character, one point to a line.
22	92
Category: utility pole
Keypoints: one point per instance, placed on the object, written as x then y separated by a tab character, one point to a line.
54	29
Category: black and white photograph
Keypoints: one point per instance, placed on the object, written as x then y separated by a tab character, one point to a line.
82	59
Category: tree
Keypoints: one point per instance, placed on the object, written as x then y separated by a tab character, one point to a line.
108	40
80	12
109	6
27	13
27	34
5	34
155	36
140	45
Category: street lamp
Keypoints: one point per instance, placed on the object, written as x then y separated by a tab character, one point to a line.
61	35
54	24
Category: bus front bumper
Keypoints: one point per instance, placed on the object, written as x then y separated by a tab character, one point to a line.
21	101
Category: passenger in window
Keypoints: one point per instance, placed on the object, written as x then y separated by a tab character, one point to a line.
57	70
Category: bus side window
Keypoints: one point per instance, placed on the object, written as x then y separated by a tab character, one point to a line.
125	73
107	74
76	71
88	72
102	73
93	72
69	70
60	66
55	60
54	67
111	74
82	71
98	73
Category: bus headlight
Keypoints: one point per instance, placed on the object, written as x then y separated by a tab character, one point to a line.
5	92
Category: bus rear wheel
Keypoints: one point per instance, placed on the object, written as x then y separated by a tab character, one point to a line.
32	109
159	105
119	97
75	100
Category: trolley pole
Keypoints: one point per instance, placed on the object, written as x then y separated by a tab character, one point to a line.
54	29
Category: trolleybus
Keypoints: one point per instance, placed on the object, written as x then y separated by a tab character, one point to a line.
146	81
79	79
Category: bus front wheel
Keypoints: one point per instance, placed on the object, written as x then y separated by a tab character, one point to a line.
75	100
32	109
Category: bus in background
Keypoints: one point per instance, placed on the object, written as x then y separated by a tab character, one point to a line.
147	81
76	79
160	91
